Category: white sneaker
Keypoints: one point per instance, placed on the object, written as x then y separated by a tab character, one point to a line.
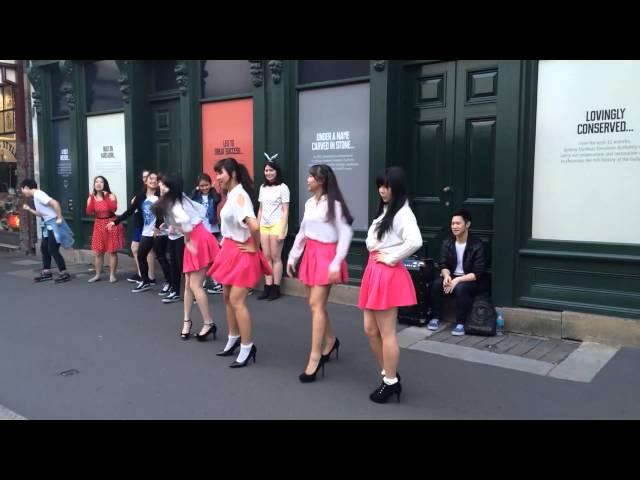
458	331
434	324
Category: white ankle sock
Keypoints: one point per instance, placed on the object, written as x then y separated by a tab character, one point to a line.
390	381
383	373
244	352
231	341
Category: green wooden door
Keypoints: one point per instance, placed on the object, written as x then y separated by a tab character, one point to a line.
449	111
165	136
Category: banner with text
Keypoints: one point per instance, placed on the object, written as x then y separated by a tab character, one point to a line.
63	175
334	130
587	153
227	131
107	154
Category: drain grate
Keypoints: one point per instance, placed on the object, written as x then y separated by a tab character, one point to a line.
68	373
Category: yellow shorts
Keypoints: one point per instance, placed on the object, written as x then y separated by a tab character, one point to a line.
275	229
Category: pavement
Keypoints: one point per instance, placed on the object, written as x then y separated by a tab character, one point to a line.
97	351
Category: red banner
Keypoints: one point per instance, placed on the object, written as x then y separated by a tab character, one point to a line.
227	131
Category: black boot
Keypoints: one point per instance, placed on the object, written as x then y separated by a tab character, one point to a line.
274	293
266	292
384	391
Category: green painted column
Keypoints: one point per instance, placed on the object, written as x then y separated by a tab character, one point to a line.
508	157
260	123
75	102
42	105
187	77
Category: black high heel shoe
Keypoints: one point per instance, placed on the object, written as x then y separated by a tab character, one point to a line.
228	353
336	346
304	378
212	329
384	392
185	336
252	354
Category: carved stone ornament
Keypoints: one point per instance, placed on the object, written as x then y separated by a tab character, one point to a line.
123	79
275	66
66	67
35	77
257	74
182	77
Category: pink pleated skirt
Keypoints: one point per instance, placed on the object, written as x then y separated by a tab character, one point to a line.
384	287
207	250
237	268
314	267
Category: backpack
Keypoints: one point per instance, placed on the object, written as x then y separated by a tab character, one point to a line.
482	320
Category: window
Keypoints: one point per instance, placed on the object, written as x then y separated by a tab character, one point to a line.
221	78
313	71
102	87
7	110
164	76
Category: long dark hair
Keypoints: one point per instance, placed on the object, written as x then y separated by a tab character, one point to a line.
232	166
165	203
144	185
393	178
106	185
278	179
324	174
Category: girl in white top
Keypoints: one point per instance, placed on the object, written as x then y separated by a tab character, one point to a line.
240	263
273	219
326	233
200	249
386	284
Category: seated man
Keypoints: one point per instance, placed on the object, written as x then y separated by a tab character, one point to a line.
462	272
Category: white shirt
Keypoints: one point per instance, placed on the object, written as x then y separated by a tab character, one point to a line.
460	247
205	200
237	207
403	239
148	216
271	199
316	227
40	200
186	215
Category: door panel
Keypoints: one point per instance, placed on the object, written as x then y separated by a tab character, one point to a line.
451	113
430	101
165	135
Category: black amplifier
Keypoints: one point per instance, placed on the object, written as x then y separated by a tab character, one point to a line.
422	272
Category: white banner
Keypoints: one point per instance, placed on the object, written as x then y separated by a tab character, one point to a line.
107	154
587	154
334	130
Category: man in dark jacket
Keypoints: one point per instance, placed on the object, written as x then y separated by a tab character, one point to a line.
462	272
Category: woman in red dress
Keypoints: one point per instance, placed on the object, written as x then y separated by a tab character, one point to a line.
103	204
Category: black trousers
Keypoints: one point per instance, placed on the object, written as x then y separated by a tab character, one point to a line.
50	248
176	254
463	293
159	246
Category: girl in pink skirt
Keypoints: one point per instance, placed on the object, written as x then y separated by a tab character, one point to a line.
240	264
183	215
325	234
386	285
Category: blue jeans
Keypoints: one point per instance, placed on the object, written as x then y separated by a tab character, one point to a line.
463	293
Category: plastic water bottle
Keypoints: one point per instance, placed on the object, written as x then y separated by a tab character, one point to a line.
500	324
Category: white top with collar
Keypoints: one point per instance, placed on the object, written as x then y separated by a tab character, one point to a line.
402	240
316	227
237	207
